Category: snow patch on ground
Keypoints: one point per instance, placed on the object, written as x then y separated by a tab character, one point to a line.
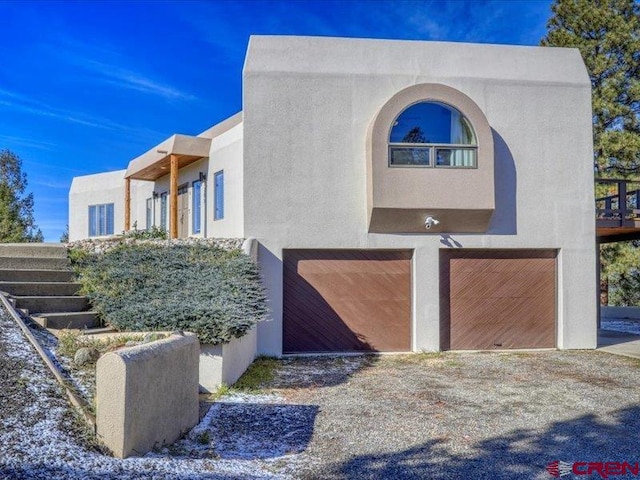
621	325
36	442
83	381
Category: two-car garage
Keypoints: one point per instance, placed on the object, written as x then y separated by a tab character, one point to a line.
361	300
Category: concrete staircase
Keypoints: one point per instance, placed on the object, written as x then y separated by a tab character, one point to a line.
39	281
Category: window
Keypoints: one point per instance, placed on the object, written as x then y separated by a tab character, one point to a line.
432	134
149	212
163	211
196	199
218	208
101	220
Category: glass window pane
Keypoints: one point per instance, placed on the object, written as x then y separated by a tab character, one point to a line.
92	221
455	157
149	213
410	156
109	215
219	196
163	211
102	220
197	187
432	122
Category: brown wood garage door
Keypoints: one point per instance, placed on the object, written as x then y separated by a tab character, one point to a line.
497	299
346	300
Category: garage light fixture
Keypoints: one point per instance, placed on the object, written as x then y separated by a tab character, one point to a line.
430	222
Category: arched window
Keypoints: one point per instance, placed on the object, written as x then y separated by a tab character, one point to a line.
432	134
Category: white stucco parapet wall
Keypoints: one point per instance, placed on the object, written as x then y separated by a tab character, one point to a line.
102	188
307	105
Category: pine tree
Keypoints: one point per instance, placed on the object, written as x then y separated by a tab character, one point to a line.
414	135
607	33
64	238
16	209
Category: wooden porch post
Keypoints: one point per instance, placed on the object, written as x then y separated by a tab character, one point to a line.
173	198
127	204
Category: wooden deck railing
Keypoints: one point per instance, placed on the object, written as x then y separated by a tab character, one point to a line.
617	201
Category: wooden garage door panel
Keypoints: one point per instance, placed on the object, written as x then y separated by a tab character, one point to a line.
500	285
346	300
361	286
498	299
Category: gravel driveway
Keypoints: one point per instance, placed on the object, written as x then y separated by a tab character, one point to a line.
425	416
465	415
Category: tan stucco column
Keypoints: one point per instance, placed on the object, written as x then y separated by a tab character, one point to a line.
127	204
173	198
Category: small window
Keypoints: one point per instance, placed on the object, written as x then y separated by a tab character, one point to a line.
218	207
101	220
196	199
163	211
149	213
432	134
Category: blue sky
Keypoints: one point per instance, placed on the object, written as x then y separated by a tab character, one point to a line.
87	86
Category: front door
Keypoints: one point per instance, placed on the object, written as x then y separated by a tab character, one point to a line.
183	211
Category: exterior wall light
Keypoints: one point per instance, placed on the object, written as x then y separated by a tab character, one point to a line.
430	222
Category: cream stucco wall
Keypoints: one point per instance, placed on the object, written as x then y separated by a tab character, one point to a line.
102	188
225	155
296	176
308	103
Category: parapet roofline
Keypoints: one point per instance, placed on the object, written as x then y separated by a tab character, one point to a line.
155	162
431	61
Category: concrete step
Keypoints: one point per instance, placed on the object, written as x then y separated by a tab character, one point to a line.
33	250
68	320
11	275
37	304
102	332
44	289
31	263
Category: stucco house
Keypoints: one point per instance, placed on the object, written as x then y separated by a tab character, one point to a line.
405	195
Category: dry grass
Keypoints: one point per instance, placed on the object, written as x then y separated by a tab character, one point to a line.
70	341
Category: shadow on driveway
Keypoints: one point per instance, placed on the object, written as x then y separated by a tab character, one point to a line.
261	430
520	454
619	343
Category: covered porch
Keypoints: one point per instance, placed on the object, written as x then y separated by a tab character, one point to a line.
166	158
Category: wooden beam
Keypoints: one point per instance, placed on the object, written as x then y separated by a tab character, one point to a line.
127	204
173	198
623	237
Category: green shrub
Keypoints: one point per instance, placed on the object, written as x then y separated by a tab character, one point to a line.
154	233
212	292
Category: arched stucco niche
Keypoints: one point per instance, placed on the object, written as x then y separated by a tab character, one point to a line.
399	199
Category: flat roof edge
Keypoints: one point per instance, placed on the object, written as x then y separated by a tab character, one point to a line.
223	126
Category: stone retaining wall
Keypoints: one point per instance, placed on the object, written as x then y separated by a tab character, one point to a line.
102	245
